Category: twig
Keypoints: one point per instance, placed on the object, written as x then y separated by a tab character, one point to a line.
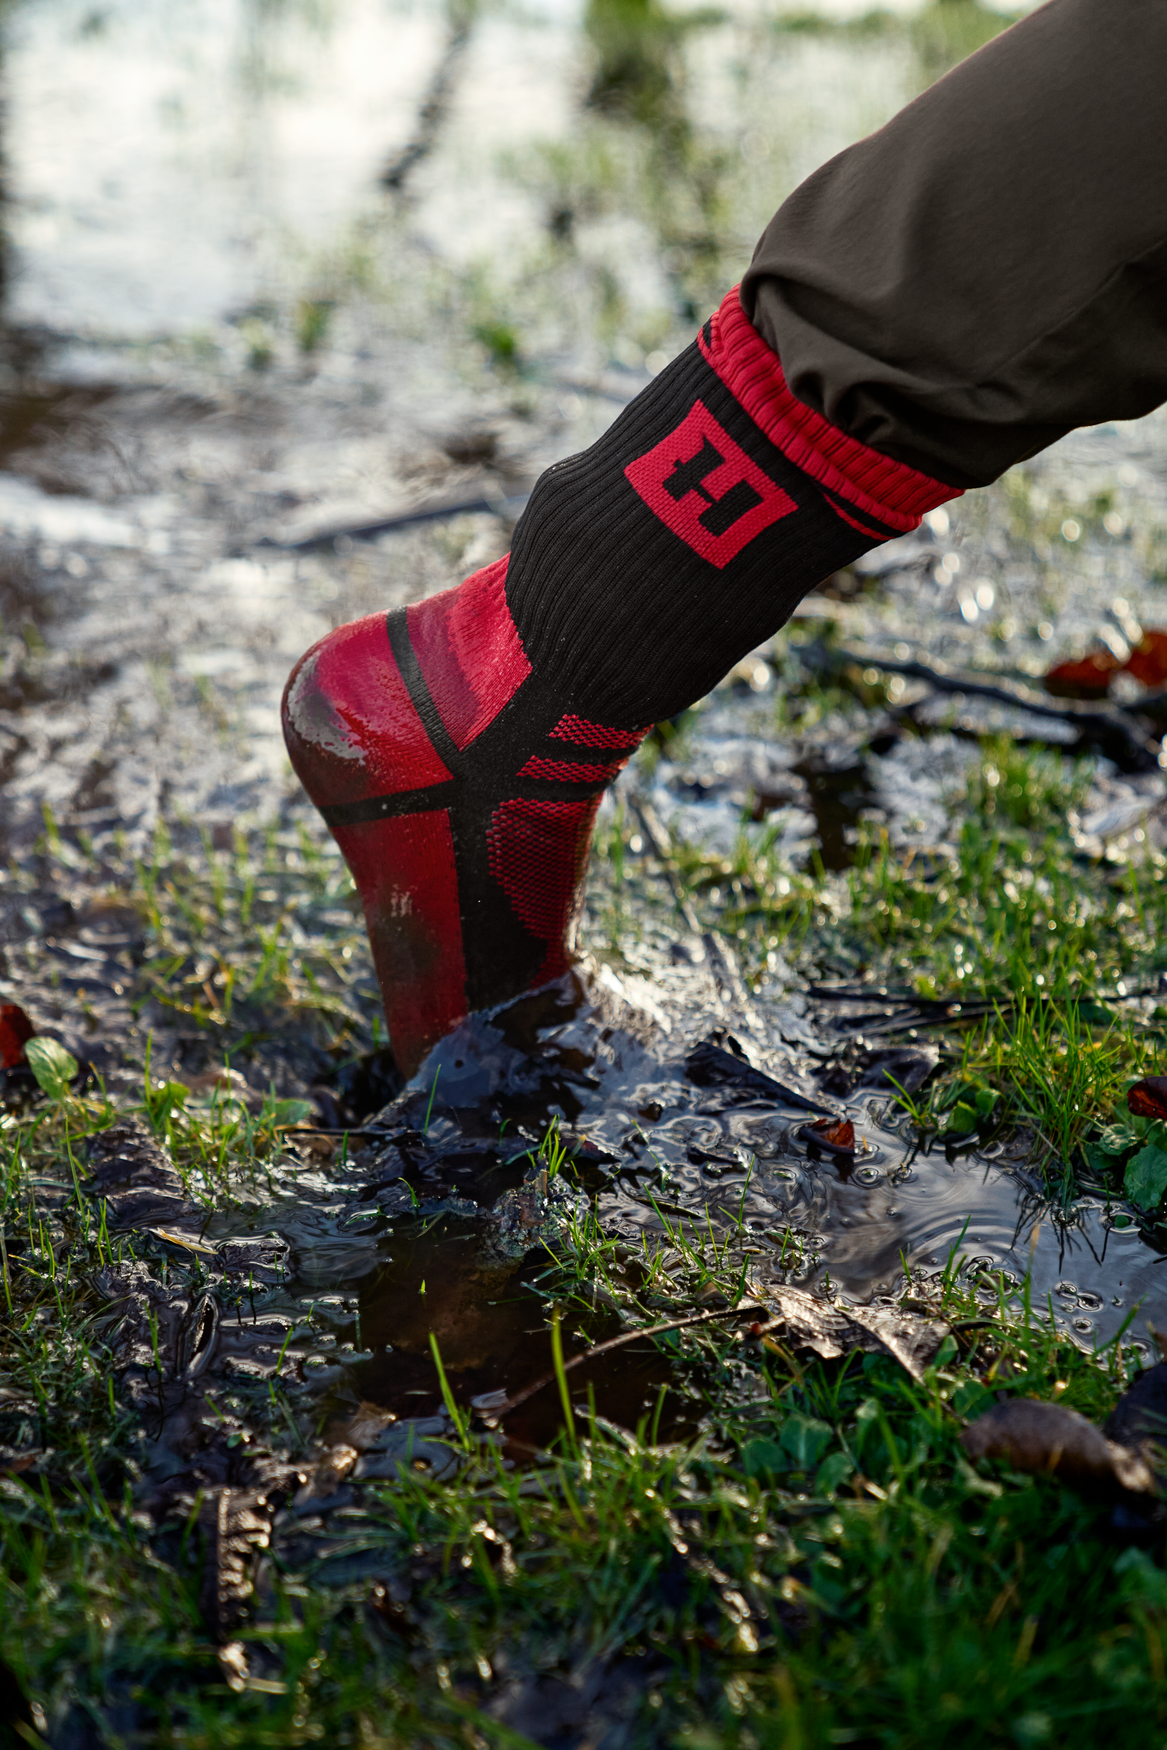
723	969
728	1312
432	113
507	508
1111	730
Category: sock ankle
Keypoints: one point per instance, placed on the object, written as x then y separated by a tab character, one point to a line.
645	567
458	749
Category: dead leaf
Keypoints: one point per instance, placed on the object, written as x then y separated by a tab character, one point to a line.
223	1081
897	1068
1148	660
711	1065
1087	678
834	1330
836	1134
12	1466
186	1241
15	1032
1049	1438
1148	1098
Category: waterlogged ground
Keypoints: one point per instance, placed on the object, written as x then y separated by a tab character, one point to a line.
299	303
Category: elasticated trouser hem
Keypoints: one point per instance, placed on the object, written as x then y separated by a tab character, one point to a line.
989	270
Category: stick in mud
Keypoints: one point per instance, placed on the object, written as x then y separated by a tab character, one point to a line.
750	1308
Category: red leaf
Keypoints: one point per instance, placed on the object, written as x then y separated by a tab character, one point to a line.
1087	678
837	1133
15	1032
1148	1098
1148	660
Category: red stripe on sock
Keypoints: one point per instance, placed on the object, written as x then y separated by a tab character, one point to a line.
469	652
565	771
893	492
585	734
404	871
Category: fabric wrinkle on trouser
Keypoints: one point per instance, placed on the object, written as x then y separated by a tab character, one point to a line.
988	270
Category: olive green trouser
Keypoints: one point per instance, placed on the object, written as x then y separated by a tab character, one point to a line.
989	270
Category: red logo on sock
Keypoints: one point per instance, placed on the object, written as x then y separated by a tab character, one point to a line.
704	488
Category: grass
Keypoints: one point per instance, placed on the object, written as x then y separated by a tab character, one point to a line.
1010	918
817	1565
803	1557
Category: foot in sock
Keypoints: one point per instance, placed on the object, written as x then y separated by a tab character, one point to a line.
458	749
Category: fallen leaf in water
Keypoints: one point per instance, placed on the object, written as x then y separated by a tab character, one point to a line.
1088	677
897	1068
831	1330
1148	1098
1148	660
710	1065
15	1032
1037	1437
837	1134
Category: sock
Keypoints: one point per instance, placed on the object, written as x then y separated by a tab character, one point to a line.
458	749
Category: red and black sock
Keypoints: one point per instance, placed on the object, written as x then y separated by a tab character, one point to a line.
458	749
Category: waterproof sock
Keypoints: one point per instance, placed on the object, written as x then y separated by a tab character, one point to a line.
458	749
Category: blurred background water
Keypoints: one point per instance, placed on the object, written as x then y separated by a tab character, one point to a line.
592	174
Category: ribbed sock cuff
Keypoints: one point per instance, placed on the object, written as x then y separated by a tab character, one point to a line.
891	491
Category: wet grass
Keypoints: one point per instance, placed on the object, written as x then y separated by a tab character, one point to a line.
1048	944
819	1566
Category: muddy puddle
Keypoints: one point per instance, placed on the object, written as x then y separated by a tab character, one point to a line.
450	1223
231	352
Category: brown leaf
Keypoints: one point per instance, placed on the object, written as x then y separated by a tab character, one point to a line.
1148	660
1087	678
837	1134
833	1330
1038	1437
15	1032
1148	1098
12	1466
224	1081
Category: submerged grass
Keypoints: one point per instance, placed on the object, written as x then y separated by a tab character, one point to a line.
819	1565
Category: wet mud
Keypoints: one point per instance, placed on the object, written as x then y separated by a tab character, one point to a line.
207	465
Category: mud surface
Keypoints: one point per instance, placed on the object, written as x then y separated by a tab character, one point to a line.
208	397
